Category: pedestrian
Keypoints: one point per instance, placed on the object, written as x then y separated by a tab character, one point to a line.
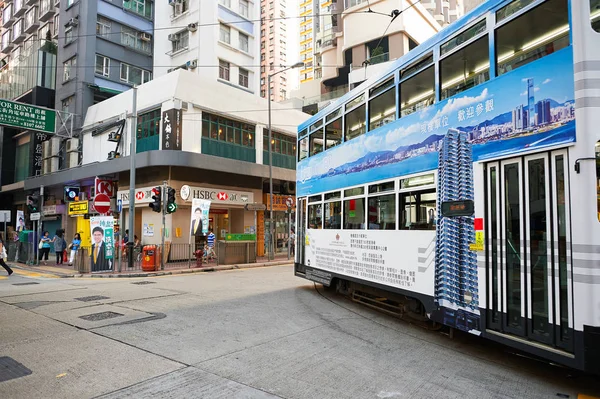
59	246
75	244
210	243
44	247
3	257
293	242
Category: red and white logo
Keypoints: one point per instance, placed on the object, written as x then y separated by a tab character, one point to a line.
102	203
222	196
104	187
139	195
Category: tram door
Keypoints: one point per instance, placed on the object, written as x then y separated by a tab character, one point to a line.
528	267
301	231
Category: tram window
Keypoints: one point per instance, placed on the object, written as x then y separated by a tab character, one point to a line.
316	125
354	214
354	191
465	68
524	39
315	198
334	195
382	109
315	213
382	212
303	149
417	181
316	142
417	210
380	88
333	215
459	39
416	66
382	187
512	8
595	14
598	176
333	133
355	102
333	115
417	92
355	123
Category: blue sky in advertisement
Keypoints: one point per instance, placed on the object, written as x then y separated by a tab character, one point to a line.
495	115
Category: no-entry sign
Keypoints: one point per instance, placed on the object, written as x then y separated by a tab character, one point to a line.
102	203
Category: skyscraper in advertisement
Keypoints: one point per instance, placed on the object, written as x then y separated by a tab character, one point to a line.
530	103
456	264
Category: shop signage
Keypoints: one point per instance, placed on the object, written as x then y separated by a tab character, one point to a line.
27	116
221	196
171	133
78	208
35	216
255	207
280	202
49	210
104	187
36	152
142	196
240	237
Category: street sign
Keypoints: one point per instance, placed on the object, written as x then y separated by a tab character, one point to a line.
102	203
119	205
289	202
104	187
255	207
27	116
35	216
5	216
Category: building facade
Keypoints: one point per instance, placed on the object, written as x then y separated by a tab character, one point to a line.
273	47
227	52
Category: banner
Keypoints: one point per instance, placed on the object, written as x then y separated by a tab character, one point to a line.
102	251
199	220
171	134
20	223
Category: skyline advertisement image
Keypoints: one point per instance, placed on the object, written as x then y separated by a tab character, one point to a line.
530	107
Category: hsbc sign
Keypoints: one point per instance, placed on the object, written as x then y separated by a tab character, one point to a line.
143	195
220	196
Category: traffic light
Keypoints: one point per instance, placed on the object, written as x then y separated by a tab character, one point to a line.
157	197
33	203
171	205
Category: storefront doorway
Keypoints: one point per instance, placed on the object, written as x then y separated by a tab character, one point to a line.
219	221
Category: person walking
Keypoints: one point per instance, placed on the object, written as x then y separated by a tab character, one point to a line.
210	244
45	242
59	246
75	244
3	257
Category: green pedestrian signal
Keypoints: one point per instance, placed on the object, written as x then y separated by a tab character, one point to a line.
171	205
171	208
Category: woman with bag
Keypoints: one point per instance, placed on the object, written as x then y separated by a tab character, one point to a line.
45	247
59	246
74	247
3	257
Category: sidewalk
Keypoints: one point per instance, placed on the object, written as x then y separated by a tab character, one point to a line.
69	272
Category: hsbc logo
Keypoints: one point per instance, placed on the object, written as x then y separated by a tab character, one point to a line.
222	196
139	195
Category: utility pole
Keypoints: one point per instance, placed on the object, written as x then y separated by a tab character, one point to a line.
164	211
39	223
133	129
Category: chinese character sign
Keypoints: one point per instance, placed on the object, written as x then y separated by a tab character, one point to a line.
103	244
171	129
27	116
36	152
200	218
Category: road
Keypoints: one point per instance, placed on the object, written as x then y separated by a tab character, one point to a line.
255	333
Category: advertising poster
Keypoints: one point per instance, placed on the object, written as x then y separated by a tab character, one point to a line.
199	220
102	251
20	222
148	230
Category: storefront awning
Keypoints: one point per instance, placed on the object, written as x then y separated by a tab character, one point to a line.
104	89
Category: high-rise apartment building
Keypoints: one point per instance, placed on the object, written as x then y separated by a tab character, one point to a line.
227	51
444	11
273	47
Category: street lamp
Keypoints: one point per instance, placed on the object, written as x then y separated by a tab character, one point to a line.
271	232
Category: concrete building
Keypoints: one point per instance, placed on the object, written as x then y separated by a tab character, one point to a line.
218	146
444	11
227	52
273	47
342	45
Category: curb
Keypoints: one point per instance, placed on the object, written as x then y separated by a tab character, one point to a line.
158	273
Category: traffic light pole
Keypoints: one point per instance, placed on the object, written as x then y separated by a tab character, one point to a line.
132	178
164	212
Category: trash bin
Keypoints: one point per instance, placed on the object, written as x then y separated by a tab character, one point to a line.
149	254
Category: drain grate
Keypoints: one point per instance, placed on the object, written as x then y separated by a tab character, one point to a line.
32	283
11	369
100	316
144	282
91	298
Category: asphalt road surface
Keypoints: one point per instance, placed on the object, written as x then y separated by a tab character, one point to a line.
255	333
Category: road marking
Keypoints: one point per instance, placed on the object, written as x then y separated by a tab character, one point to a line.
3	277
27	273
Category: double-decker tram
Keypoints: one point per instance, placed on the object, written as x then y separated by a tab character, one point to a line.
461	186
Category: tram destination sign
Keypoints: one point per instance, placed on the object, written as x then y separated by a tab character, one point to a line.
27	116
458	208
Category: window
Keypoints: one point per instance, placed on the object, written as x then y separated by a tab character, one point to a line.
134	75
136	40
512	8
140	7
316	142
355	123
333	215
417	92
333	133
180	41
243	77
465	68
243	42
103	27
244	8
179	7
382	212
303	149
70	69
417	210
70	3
66	104
225	34
354	214
280	143
102	65
148	124
595	14
226	3
224	70
467	35
524	40
223	129
417	181
22	163
69	34
315	216
382	109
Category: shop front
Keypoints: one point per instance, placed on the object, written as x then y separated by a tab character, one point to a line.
284	216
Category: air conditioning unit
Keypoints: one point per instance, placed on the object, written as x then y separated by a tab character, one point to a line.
72	145
192	64
172	37
193	27
114	137
145	36
50	165
72	22
72	159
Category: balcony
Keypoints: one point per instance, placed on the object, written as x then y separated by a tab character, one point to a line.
7	44
18	34
47	10
30	2
31	21
7	16
19	8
